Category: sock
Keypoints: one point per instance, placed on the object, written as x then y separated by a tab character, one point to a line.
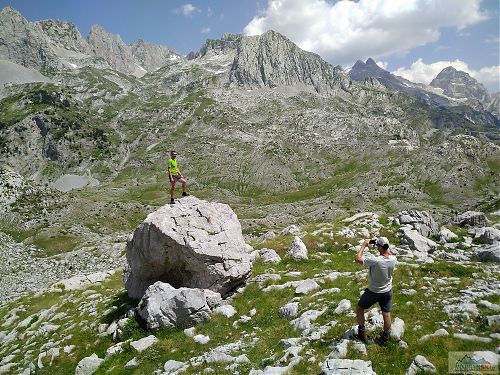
385	334
361	328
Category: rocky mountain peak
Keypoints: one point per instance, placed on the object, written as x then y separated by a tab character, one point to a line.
152	56
65	35
111	48
227	44
371	62
271	60
460	85
25	43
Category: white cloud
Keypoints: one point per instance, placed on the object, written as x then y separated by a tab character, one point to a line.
345	31
421	72
187	9
383	64
205	30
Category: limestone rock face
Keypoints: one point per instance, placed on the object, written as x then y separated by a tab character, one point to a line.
112	49
421	221
459	84
471	218
194	243
25	43
488	253
416	241
65	35
152	56
271	60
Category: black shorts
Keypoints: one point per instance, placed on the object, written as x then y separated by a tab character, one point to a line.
369	298
176	177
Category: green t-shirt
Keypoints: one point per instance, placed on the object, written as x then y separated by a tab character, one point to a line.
172	165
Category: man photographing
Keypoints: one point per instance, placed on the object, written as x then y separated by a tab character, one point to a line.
380	270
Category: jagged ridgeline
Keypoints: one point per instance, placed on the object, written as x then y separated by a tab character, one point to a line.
255	117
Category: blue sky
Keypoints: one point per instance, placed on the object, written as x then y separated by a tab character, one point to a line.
412	38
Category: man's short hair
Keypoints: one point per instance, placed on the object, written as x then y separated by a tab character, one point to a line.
173	152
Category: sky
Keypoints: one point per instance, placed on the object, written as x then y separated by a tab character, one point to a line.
412	38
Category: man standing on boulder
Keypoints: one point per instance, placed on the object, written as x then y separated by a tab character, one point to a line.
175	175
380	270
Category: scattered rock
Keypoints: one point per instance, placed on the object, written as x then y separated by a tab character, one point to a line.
416	241
226	310
88	365
334	366
165	306
289	311
397	328
445	235
439	332
489	305
462	310
144	343
133	363
420	221
486	235
492	321
343	306
297	250
306	286
276	370
269	256
467	337
420	364
172	367
201	339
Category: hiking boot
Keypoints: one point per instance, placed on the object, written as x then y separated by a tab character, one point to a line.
172	201
382	339
184	194
361	336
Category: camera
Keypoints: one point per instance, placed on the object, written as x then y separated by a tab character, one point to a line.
372	242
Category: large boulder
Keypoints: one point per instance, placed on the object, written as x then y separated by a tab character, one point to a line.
416	241
486	234
488	253
165	306
193	243
421	221
471	218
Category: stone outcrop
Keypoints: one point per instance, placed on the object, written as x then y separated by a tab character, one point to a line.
471	218
488	253
194	243
421	221
416	241
152	56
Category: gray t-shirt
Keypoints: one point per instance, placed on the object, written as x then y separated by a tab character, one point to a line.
380	270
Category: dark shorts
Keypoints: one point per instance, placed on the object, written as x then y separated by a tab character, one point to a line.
369	298
176	178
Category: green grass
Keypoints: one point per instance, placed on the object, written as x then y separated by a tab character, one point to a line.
423	315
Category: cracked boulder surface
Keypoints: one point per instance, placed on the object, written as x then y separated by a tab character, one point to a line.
193	243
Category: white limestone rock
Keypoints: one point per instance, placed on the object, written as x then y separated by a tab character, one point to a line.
165	306
397	329
306	286
420	364
336	366
144	343
88	365
416	241
194	243
488	253
297	250
227	310
269	256
343	306
289	311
